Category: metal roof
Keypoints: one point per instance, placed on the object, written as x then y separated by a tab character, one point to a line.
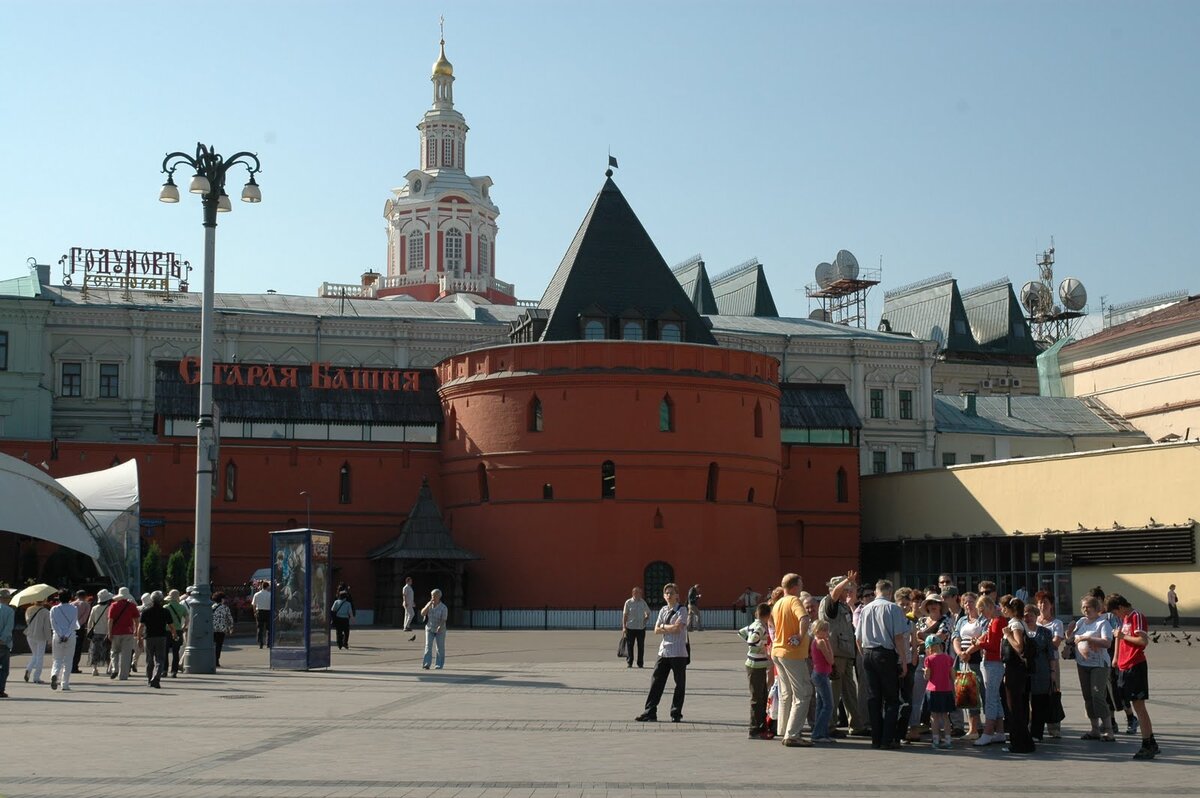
693	278
1049	416
809	328
996	320
931	310
804	405
458	308
743	291
424	535
612	265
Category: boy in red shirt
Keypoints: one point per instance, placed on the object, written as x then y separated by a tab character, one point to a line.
1133	677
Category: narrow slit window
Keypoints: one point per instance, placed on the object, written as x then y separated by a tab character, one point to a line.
843	490
535	414
484	493
666	415
548	491
344	484
710	491
758	420
231	481
608	480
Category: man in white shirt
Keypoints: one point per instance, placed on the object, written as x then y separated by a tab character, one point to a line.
633	621
673	656
64	622
410	607
261	601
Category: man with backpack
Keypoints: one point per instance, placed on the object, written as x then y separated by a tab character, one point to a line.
673	657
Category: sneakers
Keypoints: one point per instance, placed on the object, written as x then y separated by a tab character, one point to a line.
797	742
1108	738
647	717
53	682
984	740
26	675
65	689
95	671
414	637
1148	750
1131	726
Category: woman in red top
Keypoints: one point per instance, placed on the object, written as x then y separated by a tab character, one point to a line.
993	671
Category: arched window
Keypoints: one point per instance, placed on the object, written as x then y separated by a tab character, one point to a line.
608	480
485	254
670	331
344	484
758	420
750	496
535	414
483	483
593	330
231	481
416	250
710	492
656	575
547	491
632	331
666	414
452	424
843	490
454	251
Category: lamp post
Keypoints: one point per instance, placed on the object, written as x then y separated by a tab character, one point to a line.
209	182
307	506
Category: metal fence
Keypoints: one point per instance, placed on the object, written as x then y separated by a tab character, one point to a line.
595	617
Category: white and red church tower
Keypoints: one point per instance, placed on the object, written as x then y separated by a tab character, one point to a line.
441	224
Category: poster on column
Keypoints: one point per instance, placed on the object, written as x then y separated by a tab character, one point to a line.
300	563
321	549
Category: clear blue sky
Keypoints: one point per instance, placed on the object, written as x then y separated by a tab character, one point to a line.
940	136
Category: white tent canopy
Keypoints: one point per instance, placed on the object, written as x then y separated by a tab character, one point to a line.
92	513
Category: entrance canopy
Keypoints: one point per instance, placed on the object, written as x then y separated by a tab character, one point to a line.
86	513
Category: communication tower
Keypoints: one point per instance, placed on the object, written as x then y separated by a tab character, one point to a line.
841	290
1048	320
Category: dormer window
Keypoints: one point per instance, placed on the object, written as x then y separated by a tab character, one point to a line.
670	331
593	330
632	330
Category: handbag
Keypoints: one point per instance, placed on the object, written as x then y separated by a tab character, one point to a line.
623	647
966	688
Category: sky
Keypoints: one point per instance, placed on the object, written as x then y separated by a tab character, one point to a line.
924	137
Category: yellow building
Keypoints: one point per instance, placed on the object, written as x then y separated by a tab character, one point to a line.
1147	370
1123	519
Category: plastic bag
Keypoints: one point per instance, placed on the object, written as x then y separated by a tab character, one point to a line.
966	689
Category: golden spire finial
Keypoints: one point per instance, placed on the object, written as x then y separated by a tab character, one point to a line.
442	66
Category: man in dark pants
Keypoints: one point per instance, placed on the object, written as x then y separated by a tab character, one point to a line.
672	657
880	636
261	601
153	628
633	621
85	612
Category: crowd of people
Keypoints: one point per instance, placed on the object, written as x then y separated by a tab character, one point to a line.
905	666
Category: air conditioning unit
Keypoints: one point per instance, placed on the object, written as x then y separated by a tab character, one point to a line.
1016	383
1003	381
985	383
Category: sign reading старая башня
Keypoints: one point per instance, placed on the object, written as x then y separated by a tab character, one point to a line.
324	376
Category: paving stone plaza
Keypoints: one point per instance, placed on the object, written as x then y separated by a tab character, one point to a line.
518	714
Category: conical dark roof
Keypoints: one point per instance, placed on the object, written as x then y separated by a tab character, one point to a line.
612	265
424	535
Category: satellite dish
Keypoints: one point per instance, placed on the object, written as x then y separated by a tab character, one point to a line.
824	274
820	314
1035	297
1072	294
845	266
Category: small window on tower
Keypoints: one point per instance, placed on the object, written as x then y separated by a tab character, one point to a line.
416	250
454	251
448	152
430	152
485	254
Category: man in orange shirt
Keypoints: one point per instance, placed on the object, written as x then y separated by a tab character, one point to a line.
790	653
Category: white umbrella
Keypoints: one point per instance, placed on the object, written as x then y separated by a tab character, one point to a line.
32	594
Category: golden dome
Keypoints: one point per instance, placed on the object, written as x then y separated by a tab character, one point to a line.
442	66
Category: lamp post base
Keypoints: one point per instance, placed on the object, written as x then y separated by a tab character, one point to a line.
200	654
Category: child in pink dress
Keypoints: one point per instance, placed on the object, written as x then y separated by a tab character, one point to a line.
939	690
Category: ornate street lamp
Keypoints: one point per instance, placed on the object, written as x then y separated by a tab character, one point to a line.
209	182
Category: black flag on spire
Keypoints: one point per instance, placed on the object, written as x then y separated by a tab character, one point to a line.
612	162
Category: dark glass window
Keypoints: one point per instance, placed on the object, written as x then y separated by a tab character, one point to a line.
906	404
632	331
535	414
452	424
593	330
876	403
110	380
949	458
714	473
878	462
656	575
3	350
843	487
608	480
344	484
977	458
750	496
670	331
72	379
908	461
547	491
758	420
666	415
230	481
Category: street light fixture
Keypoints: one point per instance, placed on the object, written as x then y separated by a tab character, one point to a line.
307	506
209	182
